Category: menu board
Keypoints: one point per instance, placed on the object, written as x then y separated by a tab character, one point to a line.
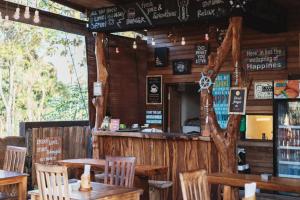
48	150
201	54
237	101
263	90
264	59
154	117
220	93
154	90
151	13
286	89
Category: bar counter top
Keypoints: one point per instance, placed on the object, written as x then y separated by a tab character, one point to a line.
159	136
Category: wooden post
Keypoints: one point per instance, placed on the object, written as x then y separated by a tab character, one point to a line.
225	140
100	102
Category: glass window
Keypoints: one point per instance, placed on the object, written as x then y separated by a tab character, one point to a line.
259	127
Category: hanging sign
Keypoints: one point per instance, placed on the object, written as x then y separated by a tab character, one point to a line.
263	90
221	93
154	117
201	54
154	89
237	101
265	59
286	89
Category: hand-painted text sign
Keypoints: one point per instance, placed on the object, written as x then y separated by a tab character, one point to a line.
49	150
237	101
201	54
151	13
154	117
265	59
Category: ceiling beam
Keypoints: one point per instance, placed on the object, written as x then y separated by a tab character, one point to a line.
71	5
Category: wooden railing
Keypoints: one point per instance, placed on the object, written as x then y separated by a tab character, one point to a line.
48	142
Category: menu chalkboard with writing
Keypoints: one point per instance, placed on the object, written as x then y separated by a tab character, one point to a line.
237	101
201	54
151	13
264	59
154	90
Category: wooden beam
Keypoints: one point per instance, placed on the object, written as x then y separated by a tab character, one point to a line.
71	5
48	20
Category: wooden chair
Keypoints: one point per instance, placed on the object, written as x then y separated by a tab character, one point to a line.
119	171
52	182
14	159
194	185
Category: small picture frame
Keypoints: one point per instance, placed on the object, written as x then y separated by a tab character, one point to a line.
237	101
182	66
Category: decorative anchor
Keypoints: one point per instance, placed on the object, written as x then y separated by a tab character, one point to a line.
205	82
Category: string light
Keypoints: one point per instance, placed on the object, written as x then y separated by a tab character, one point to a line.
36	18
182	41
117	50
153	42
17	13
134	46
206	37
27	12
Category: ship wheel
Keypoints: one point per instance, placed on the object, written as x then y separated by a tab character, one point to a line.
204	82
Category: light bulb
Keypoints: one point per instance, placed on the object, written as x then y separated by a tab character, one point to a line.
6	21
182	41
36	18
17	14
153	42
27	13
206	37
117	50
134	46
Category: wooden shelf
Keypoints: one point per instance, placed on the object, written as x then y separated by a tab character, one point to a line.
289	147
255	143
290	126
289	163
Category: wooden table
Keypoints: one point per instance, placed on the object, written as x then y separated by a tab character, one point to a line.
100	191
9	178
142	172
239	180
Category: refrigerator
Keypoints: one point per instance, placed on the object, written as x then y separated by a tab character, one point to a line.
287	128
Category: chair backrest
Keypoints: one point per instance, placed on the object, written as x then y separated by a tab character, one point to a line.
194	185
119	171
52	182
14	159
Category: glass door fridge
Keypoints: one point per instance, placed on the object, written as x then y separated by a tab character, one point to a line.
287	131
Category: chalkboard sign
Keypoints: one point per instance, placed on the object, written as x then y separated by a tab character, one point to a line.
182	66
161	56
151	13
154	90
201	54
154	117
237	101
264	59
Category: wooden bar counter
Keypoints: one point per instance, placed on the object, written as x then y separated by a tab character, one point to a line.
178	152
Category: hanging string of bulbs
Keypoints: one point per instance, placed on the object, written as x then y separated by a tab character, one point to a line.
17	14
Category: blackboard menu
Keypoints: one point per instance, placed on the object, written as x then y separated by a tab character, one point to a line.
154	117
237	101
154	90
264	59
151	13
201	54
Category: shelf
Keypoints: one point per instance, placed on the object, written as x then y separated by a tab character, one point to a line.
289	126
289	163
288	176
289	147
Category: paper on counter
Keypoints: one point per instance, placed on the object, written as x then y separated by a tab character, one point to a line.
250	189
87	169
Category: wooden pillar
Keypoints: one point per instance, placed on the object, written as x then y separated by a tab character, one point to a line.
100	102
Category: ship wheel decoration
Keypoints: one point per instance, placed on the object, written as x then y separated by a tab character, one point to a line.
205	82
238	4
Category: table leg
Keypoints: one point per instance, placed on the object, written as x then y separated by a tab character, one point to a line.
22	188
142	182
227	193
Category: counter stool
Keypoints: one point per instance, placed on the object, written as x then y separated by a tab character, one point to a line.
157	188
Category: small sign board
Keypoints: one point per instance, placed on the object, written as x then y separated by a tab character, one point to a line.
154	117
265	59
114	125
201	54
237	101
182	66
161	56
154	89
263	90
49	150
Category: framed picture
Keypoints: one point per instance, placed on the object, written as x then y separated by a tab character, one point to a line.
237	101
201	54
154	89
263	90
182	66
161	56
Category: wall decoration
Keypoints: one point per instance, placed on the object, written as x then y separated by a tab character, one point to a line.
48	150
154	117
220	93
263	90
161	56
286	89
205	82
264	59
154	89
114	125
237	101
182	66
201	54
